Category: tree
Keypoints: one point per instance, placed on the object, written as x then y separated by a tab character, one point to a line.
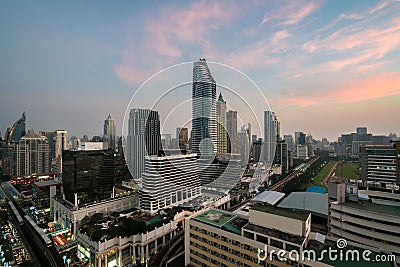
96	235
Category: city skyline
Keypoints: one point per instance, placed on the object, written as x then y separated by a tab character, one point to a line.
334	67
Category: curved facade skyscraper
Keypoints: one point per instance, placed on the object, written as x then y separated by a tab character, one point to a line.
17	131
204	110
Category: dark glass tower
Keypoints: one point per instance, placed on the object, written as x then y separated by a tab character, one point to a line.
204	125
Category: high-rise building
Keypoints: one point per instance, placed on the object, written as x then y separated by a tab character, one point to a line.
300	138
253	138
60	144
204	124
17	131
143	139
232	134
380	163
282	155
32	155
182	135
244	145
271	133
221	127
110	132
169	181
290	142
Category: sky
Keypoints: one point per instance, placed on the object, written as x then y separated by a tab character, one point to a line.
325	67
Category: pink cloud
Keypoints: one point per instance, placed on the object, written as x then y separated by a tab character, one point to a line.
290	13
355	90
168	32
379	6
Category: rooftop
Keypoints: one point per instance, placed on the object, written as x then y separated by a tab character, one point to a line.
290	213
269	197
375	208
315	203
381	194
215	217
47	183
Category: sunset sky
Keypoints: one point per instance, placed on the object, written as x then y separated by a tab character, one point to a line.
325	67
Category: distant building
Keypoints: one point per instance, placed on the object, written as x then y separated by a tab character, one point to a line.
271	136
244	146
86	146
282	155
290	142
380	163
110	132
169	181
232	134
300	138
221	127
302	152
182	135
32	155
17	131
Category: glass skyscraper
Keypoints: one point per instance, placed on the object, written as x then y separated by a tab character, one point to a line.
204	124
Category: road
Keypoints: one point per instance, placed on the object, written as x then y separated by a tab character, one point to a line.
331	172
279	185
45	256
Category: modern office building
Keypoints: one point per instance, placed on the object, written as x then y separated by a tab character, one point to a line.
282	155
380	163
32	155
232	132
221	127
244	146
143	139
91	174
110	132
169	181
221	238
271	134
204	113
365	218
300	138
290	142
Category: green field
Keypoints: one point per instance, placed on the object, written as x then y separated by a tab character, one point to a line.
348	170
319	179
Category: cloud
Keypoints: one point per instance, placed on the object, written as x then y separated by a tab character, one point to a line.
353	46
353	16
379	6
352	90
169	33
290	13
